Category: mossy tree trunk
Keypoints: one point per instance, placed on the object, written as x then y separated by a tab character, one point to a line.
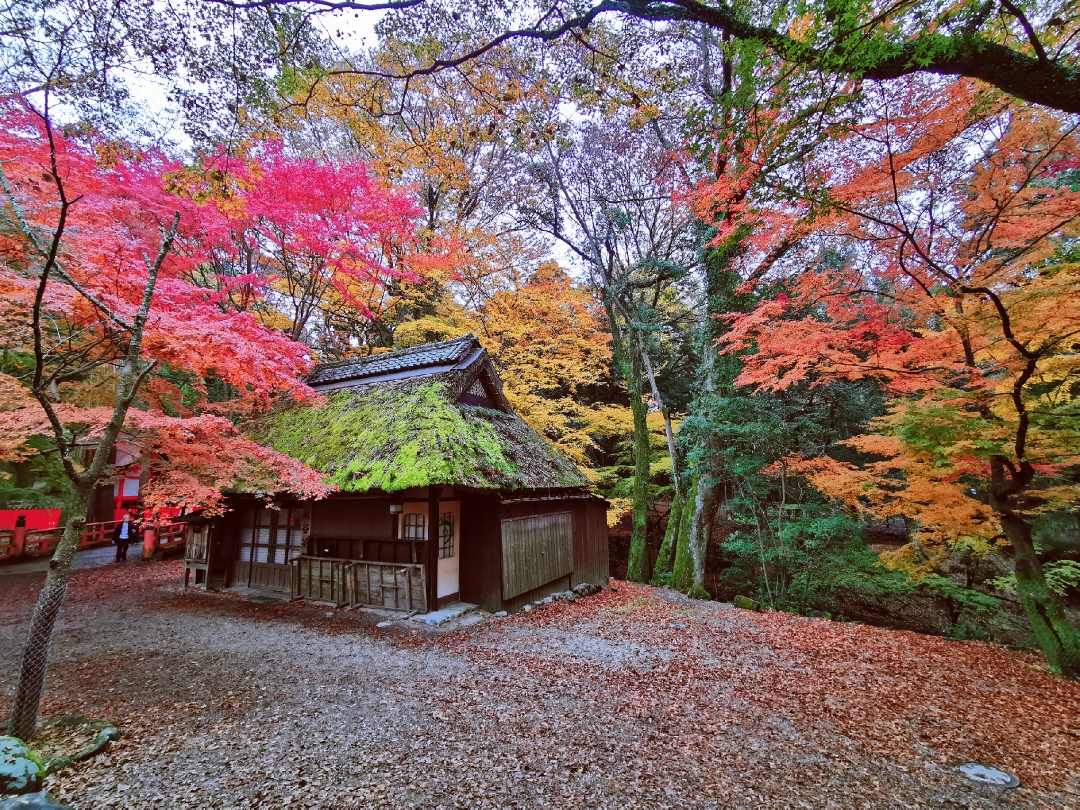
637	565
1055	635
630	365
665	559
682	570
706	499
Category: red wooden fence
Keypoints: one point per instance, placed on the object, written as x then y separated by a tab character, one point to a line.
38	543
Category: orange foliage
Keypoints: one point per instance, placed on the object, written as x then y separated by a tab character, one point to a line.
942	269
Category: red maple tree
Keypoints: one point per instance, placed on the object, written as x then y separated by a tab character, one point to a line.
113	332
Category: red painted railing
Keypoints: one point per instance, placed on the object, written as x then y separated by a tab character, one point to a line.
38	543
170	535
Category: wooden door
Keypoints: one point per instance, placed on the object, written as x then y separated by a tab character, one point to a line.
449	549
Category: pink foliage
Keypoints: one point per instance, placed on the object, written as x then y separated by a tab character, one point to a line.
123	200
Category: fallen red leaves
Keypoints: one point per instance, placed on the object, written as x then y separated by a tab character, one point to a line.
632	696
895	692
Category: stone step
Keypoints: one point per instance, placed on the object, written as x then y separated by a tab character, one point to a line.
455	610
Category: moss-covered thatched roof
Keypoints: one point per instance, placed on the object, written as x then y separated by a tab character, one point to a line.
414	432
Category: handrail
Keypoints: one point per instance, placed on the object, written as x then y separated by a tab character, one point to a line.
41	542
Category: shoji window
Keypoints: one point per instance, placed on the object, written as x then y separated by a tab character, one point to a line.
414	527
270	535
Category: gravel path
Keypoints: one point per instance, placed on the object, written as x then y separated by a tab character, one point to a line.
632	698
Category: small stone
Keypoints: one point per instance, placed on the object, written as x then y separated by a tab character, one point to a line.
500	615
20	772
677	625
384	624
527	608
41	800
746	603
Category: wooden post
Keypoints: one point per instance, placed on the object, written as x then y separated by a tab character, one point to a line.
433	548
18	540
149	538
305	528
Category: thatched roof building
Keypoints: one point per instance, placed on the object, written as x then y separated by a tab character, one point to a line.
443	494
432	414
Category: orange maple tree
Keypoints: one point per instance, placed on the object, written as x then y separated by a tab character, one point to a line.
944	267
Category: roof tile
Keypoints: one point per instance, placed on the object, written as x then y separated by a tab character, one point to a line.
416	357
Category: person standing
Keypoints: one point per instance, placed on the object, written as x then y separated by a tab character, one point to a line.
122	536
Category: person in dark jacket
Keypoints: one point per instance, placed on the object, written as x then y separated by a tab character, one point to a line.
123	534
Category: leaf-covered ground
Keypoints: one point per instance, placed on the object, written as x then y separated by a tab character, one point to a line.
633	698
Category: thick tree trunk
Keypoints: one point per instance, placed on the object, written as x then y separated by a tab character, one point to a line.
35	661
705	501
1057	638
637	567
1054	634
682	570
666	558
629	362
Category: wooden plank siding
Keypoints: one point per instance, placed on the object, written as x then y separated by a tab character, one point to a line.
590	549
389	586
536	550
348	518
590	543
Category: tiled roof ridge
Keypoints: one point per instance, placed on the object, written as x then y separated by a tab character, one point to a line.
438	353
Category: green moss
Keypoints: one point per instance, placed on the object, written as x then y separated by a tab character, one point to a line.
392	437
746	603
682	573
662	571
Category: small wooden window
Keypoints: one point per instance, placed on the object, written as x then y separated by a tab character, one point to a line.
446	535
414	527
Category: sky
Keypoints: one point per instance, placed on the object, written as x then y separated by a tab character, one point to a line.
350	31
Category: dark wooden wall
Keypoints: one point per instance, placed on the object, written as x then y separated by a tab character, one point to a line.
480	568
481	547
223	550
345	518
338	523
590	544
